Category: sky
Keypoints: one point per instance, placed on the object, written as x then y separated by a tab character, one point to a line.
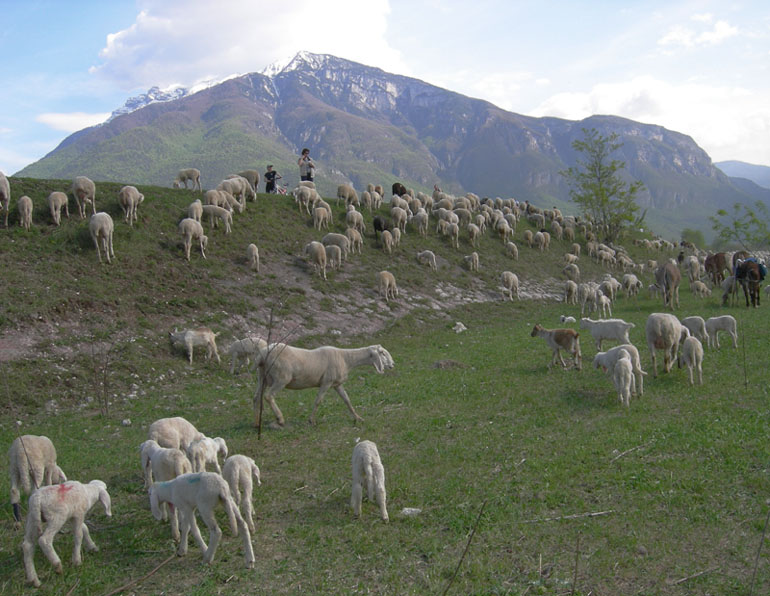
701	68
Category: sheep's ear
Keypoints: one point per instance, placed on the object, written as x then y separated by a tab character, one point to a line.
255	471
377	360
155	504
104	498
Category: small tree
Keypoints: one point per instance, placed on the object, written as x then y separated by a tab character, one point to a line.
745	226
694	236
597	188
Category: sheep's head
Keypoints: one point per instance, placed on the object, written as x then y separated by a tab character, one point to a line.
221	447
381	359
255	473
104	496
58	476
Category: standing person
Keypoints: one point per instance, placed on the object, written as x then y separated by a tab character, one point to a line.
270	177
306	166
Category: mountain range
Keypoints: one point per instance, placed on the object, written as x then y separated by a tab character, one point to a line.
365	125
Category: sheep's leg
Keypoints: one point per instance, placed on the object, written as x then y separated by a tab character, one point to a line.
195	531
174	520
248	511
28	548
45	542
735	339
215	534
323	388
357	496
341	390
269	393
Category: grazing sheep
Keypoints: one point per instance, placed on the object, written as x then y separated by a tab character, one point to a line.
472	261
202	491
339	240
5	196
317	254
575	248
399	217
725	323
162	464
325	367
246	348
510	285
512	250
421	220
252	176
570	259
613	329
700	289
356	240
570	292
56	505
572	272
192	230
238	472
604	304
427	257
304	197
380	224
368	468
57	200
222	214
566	319
102	228
387	285
631	284
560	339
623	377
31	464
190	339
355	220
205	451
692	357
320	218
84	191
173	433
252	254
216	197
606	361
190	174
453	231
25	207
387	241
347	193
396	232
129	199
668	278
333	256
664	332
195	210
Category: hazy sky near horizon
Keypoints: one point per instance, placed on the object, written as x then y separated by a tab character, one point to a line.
701	68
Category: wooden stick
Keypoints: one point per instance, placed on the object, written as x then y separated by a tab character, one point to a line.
72	589
759	549
627	451
136	581
467	545
574	516
694	575
574	575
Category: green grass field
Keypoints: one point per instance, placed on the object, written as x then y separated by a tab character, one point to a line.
580	495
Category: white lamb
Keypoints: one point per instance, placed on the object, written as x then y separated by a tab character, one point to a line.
472	261
129	199
566	319
604	304
25	212
161	464
202	491
245	349
697	327
692	357
252	254
57	200
238	471
427	257
204	451
510	285
174	432
664	332
195	210
191	174
192	230
193	338
367	468
339	240
606	361
31	464
355	239
700	289
101	228
386	282
623	377
724	323
333	256
613	329
84	191
317	254
512	250
57	505
221	214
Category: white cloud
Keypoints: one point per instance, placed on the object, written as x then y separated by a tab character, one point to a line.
71	121
181	41
688	38
705	17
722	31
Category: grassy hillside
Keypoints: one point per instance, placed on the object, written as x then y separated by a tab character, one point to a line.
677	483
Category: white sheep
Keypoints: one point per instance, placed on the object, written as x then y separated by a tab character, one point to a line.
472	261
604	304
355	220
238	471
333	256
252	176
176	433
320	218
386	282
613	329
195	210
252	255
101	228
25	207
216	197
700	289
190	174
692	357
204	451
387	241
566	319
368	468
623	377
510	285
725	323
84	191
427	257
512	250
5	196
347	193
56	200
129	199
340	240
664	332
192	230
57	505
202	491
161	464
560	339
606	361
304	197
31	464
396	232
192	338
570	292
572	271
327	367
356	240
317	254
222	214
697	327
631	284
246	348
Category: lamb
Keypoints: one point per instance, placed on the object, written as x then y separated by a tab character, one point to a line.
420	220
317	254
664	332
57	505
5	196
613	329
238	472
355	220
387	285
246	348
631	284
510	285
700	289
202	491
25	212
512	250
473	235
566	319
604	304
333	256
304	197
192	230
572	271
101	228
216	197
176	433
347	193
356	240
192	338
607	360
238	187
367	467
320	218
560	339
163	464
224	215
396	233
623	377
729	286
692	357
205	451
696	326
427	257
325	367
399	217
252	255
380	224
84	191
56	200
472	260
32	464
252	176
725	323
453	231
129	199
570	292
387	241
190	174
338	240
668	277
